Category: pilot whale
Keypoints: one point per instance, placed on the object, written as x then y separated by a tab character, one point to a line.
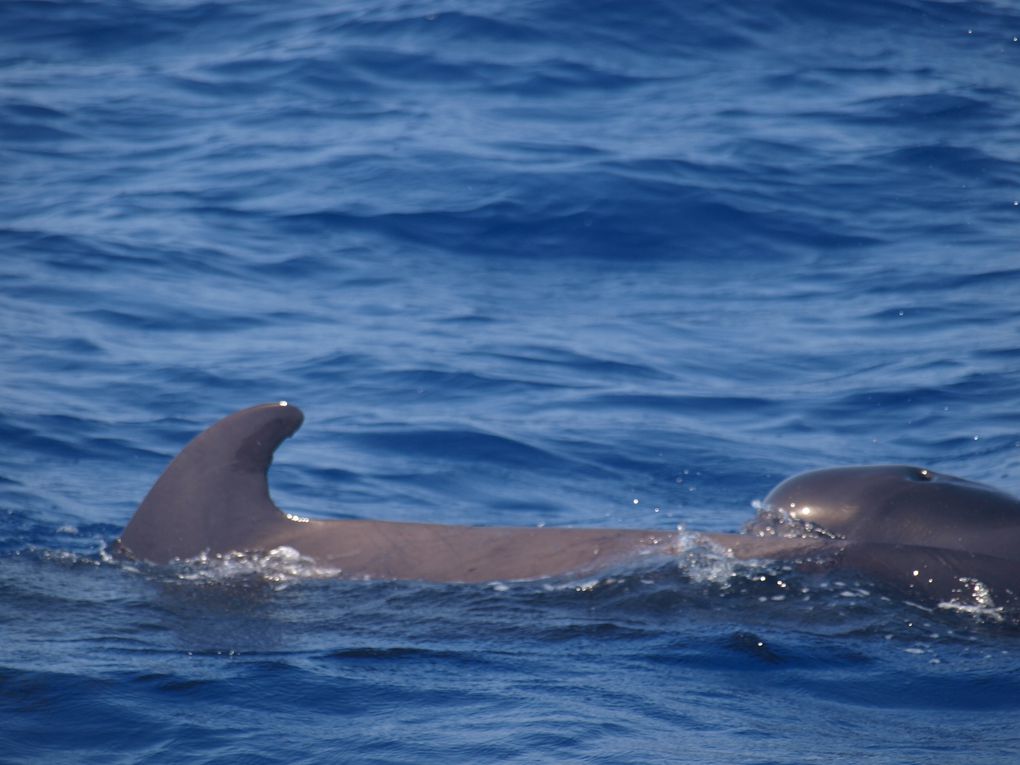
931	535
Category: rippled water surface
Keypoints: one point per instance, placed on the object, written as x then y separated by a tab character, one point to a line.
572	264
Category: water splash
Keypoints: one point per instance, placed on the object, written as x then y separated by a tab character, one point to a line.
975	600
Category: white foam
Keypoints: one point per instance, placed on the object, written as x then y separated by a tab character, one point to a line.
280	565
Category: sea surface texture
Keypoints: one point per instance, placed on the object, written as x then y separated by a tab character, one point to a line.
610	264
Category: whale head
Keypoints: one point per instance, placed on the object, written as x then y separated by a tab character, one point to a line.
896	504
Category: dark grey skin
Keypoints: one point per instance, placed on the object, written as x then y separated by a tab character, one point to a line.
930	535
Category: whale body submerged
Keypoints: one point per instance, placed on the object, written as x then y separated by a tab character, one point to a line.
932	536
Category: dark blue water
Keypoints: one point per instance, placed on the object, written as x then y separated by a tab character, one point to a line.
592	264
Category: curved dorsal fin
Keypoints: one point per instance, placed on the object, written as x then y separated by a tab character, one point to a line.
214	496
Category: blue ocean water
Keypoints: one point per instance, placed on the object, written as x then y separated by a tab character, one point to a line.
572	264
